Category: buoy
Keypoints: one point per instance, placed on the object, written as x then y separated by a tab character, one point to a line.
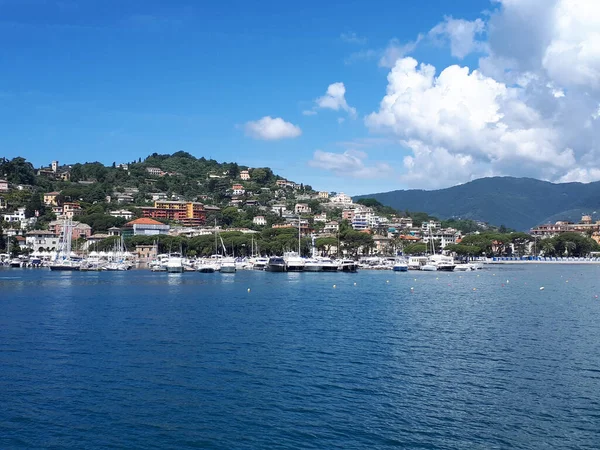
542	288
412	289
354	284
387	281
334	286
596	296
567	281
477	275
507	281
474	289
248	289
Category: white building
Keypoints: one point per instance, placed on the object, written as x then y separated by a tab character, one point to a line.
279	209
323	195
3	186
302	208
442	237
341	199
259	220
245	175
123	213
331	227
320	217
17	216
41	240
154	171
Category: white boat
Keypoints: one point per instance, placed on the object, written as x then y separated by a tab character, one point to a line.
313	265
174	263
328	265
259	263
63	260
416	262
228	265
293	262
442	263
348	265
429	267
400	265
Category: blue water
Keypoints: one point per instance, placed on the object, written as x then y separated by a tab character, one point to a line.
141	360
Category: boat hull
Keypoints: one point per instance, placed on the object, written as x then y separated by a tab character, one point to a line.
65	268
400	268
275	268
228	269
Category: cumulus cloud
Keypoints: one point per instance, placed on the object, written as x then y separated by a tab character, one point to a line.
531	108
335	98
350	163
271	129
396	50
462	35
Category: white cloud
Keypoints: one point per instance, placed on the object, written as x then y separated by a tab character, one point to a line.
350	163
395	50
353	38
341	120
531	108
462	35
335	99
362	55
309	112
271	129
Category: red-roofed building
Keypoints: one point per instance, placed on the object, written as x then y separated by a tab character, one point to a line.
145	227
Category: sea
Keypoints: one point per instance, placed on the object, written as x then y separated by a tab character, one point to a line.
502	358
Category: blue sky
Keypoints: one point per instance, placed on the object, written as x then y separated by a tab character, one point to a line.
116	80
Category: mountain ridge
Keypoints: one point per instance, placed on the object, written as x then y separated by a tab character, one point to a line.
519	203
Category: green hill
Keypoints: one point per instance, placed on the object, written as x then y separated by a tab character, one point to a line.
519	203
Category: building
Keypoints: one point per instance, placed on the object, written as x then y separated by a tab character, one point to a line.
186	213
331	227
145	253
41	241
279	209
323	194
341	199
80	230
259	220
442	236
245	175
123	198
158	196
123	213
2	203
348	214
238	189
71	209
586	225
145	227
3	186
17	216
362	220
320	217
154	171
302	208
51	198
281	183
431	225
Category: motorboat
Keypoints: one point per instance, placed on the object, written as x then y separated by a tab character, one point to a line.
400	265
259	263
228	265
442	263
313	265
348	265
429	267
276	264
65	265
175	263
293	262
328	265
416	262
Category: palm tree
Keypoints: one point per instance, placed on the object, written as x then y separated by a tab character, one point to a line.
548	249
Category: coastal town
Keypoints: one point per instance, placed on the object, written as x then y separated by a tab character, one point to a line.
164	204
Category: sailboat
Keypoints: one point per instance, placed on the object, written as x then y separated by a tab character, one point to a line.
63	260
293	261
228	262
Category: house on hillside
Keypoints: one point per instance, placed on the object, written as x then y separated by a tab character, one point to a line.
259	220
50	198
3	186
145	227
123	213
245	175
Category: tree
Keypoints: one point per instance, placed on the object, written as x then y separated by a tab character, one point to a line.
325	244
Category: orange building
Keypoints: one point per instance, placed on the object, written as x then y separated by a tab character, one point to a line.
187	213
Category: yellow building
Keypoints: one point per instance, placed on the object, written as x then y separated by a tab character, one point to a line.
50	198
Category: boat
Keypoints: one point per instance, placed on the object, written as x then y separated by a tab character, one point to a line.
328	265
293	262
313	265
276	264
228	265
416	262
429	267
207	266
174	263
348	265
63	260
442	263
259	263
400	265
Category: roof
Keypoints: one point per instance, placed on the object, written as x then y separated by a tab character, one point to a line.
52	193
143	221
40	233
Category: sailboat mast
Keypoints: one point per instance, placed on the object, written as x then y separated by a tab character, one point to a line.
299	230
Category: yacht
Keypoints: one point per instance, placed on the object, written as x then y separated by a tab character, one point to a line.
259	263
328	265
442	262
175	263
63	260
228	265
276	264
207	267
313	265
293	262
400	265
348	265
429	267
416	262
